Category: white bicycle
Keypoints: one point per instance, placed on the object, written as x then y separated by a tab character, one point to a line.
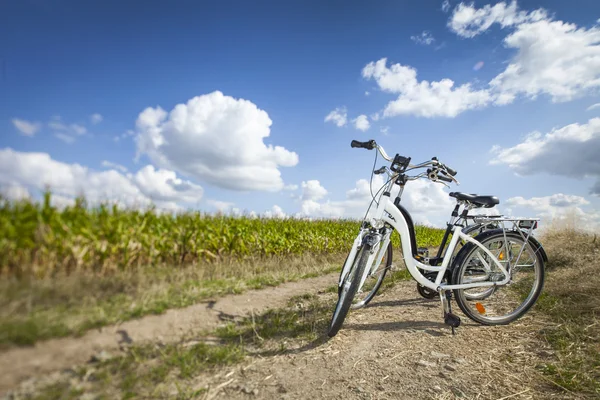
495	272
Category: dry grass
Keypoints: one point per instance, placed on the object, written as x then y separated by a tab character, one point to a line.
571	300
36	309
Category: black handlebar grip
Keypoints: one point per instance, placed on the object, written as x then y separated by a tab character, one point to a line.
450	170
444	178
370	145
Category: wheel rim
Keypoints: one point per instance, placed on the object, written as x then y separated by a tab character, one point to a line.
501	303
372	282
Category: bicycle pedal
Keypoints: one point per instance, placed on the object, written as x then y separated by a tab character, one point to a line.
452	320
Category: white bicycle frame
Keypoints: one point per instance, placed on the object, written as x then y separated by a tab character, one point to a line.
386	211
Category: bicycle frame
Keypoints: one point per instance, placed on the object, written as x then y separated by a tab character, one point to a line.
387	212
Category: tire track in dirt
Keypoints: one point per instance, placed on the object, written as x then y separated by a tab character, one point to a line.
52	355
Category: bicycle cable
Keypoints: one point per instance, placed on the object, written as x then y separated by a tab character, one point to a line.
376	193
371	181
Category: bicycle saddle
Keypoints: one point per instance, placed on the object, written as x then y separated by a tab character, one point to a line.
481	201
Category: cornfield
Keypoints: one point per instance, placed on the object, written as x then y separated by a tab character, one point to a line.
37	239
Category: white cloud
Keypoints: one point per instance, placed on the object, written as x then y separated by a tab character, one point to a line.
361	123
593	107
290	188
553	58
96	118
468	21
164	185
275	212
128	133
557	208
222	206
15	192
215	138
445	6
558	200
312	190
35	171
64	137
367	93
425	200
108	164
425	38
385	130
424	99
25	127
66	132
339	116
570	151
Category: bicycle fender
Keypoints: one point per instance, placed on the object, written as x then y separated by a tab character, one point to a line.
537	247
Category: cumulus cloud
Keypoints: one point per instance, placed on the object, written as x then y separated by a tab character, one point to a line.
36	171
223	206
108	164
557	208
164	185
553	58
550	57
361	123
14	192
468	21
312	190
274	212
96	118
426	201
423	98
425	38
215	138
570	151
26	128
339	116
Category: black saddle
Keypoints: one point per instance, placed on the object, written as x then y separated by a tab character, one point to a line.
481	201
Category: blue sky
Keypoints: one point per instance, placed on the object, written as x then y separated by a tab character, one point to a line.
64	61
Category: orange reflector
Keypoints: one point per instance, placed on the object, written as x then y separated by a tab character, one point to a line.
501	256
480	308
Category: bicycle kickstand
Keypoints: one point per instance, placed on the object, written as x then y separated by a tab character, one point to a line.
450	318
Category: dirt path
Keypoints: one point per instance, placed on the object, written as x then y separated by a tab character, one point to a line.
398	348
19	364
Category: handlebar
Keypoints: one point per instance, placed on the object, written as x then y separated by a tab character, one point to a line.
440	172
370	145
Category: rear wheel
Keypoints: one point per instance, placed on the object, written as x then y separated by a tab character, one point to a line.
348	290
499	305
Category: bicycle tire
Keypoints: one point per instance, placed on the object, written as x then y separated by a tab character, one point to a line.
375	288
461	265
345	298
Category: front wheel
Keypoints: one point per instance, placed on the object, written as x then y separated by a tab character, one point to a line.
348	290
498	305
374	280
